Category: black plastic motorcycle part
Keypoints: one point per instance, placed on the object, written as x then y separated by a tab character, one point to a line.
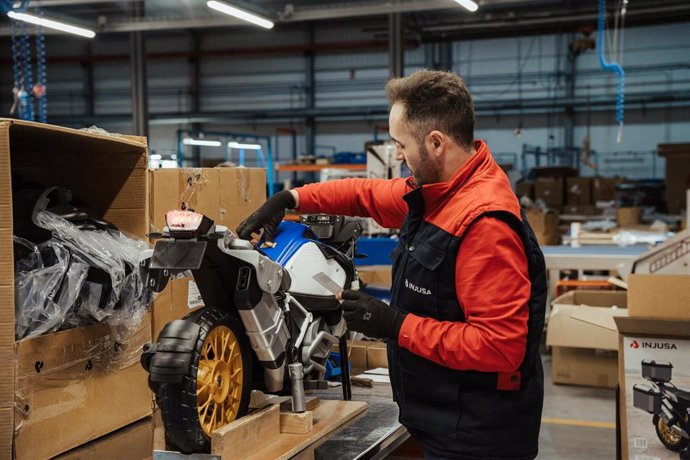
178	255
168	360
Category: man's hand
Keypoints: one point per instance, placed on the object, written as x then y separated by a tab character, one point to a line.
370	316
268	217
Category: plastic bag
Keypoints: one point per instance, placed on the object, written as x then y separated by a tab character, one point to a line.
46	285
80	277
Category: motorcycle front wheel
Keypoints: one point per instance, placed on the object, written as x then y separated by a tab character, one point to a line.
216	389
670	438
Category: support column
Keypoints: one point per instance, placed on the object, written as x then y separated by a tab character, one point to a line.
140	116
310	94
569	113
396	50
90	84
445	56
195	91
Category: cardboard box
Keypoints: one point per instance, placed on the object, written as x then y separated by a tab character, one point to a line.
648	339
377	275
366	354
604	188
132	442
76	385
377	355
583	352
525	188
550	190
578	191
582	366
627	217
109	174
659	296
544	225
677	175
226	195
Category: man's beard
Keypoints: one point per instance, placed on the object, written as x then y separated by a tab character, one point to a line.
426	172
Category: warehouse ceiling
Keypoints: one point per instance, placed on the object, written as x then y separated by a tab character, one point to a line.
430	20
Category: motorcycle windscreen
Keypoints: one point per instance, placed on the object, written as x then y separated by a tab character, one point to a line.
178	254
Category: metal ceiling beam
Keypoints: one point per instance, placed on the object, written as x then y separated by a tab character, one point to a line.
482	108
289	15
463	21
52	3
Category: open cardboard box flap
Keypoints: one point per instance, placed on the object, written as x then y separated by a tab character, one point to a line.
577	318
600	317
566	331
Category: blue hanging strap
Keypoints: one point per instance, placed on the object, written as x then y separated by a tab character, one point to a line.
41	88
17	73
28	74
611	67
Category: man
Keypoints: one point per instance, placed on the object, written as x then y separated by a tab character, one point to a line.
467	309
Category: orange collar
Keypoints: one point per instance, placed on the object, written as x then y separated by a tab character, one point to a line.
435	194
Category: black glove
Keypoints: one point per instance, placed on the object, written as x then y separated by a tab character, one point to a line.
371	316
268	217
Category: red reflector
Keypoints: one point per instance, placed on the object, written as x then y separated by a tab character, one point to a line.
183	220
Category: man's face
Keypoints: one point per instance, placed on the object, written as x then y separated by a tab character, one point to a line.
424	167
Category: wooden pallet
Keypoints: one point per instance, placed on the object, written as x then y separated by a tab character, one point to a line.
268	433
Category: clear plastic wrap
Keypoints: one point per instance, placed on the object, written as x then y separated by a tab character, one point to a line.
34	287
81	277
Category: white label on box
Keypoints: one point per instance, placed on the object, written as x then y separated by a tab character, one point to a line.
639	443
194	299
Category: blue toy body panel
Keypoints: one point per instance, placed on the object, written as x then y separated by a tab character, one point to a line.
289	239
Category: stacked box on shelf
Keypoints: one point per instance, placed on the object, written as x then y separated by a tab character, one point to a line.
578	191
60	390
550	191
604	188
677	175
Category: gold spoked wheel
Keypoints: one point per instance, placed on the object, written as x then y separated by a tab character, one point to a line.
669	435
219	379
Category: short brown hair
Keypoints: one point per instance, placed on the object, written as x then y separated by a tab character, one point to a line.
435	100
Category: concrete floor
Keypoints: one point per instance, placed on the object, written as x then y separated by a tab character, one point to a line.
578	422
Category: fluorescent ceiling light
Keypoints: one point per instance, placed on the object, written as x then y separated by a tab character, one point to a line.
49	23
237	145
469	4
190	141
240	14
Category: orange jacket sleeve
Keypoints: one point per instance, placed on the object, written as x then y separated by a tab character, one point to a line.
379	199
493	288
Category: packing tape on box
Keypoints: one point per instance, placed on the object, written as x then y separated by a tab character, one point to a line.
194	180
244	185
63	363
78	353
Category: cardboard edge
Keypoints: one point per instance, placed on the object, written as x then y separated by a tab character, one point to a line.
135	141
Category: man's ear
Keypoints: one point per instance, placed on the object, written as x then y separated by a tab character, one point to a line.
436	142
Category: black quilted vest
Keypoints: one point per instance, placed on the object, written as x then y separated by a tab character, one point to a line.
462	414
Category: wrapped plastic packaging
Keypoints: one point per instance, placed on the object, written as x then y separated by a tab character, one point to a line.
80	277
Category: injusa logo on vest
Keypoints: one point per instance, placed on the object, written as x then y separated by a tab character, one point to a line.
418	289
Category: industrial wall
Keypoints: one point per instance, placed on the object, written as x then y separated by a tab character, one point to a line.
257	81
